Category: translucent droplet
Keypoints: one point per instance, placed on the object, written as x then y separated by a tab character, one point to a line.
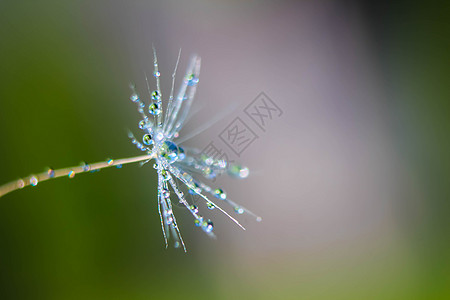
198	222
195	189
85	166
134	97
207	226
170	151
110	161
165	175
142	124
51	173
156	96
20	183
219	193
176	245
147	139
119	166
238	171
156	74
166	194
239	210
71	174
34	180
258	219
154	109
194	208
210	205
191	79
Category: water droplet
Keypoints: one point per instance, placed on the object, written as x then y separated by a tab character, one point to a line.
34	180
207	226
219	193
176	245
198	222
165	175
85	166
239	210
238	171
156	96
147	139
119	166
154	109
191	79
71	174
258	219
210	205
134	97
51	173
170	151
156	74
142	124
195	189
20	183
194	208
110	161
166	194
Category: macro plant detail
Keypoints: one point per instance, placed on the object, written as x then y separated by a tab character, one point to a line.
178	168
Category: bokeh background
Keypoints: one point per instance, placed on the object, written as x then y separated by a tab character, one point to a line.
352	180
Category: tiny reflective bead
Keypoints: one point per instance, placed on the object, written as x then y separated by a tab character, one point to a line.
20	183
191	79
51	173
142	124
85	167
156	96
219	193
147	139
71	174
165	175
134	97
154	109
194	208
207	226
110	161
34	181
239	210
198	222
210	205
156	74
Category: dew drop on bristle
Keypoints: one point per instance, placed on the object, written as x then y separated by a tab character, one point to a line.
71	174
194	208
20	183
51	173
147	139
154	109
210	205
110	161
239	210
134	98
207	226
220	194
156	96
191	80
156	74
238	171
142	124
34	181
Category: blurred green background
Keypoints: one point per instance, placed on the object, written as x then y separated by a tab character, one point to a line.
64	73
